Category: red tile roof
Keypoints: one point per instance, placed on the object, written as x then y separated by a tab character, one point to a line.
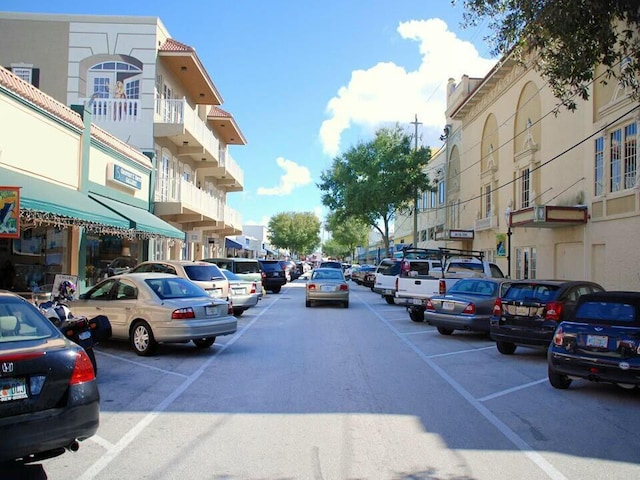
218	112
171	45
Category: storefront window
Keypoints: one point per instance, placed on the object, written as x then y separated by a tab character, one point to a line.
108	255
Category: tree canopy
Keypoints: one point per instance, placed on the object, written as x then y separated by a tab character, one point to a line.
372	180
346	235
566	39
298	232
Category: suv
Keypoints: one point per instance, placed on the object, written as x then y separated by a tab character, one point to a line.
330	264
204	274
530	310
245	268
273	275
385	279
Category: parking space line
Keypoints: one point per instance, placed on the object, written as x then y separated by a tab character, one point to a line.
104	443
511	390
115	450
139	364
502	427
457	352
419	332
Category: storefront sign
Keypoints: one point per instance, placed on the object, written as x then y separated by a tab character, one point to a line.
124	176
9	212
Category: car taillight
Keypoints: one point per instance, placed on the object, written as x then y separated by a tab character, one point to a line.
429	305
344	288
311	286
183	313
253	288
396	284
497	307
82	370
263	275
442	287
558	337
471	308
553	311
230	307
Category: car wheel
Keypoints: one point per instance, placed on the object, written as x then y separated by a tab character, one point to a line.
558	380
506	348
92	356
141	338
416	315
445	331
308	303
346	304
203	342
238	312
389	300
276	289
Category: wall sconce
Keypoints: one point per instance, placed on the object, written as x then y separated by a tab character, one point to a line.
183	68
185	144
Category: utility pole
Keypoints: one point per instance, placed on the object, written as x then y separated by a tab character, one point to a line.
415	123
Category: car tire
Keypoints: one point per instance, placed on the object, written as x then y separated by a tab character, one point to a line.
142	339
558	380
92	356
346	304
203	342
237	312
506	348
445	331
307	303
389	299
276	289
416	315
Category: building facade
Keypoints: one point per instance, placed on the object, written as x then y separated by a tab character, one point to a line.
153	93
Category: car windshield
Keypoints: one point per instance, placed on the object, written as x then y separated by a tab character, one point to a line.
247	267
476	287
271	266
176	287
21	321
203	273
607	312
532	292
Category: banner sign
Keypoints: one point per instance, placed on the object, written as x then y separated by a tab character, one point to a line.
9	212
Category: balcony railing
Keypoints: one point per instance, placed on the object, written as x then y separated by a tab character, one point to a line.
227	161
113	110
488	223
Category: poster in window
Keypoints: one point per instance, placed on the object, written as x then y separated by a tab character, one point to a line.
9	212
501	250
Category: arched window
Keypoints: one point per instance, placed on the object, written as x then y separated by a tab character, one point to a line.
114	80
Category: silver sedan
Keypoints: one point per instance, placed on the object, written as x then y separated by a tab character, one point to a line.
149	308
327	285
244	293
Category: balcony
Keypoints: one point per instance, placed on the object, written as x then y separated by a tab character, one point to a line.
182	202
488	223
107	111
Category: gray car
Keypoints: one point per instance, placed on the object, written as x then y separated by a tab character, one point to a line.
150	308
327	285
466	306
244	293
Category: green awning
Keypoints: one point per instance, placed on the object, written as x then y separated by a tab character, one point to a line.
141	219
62	202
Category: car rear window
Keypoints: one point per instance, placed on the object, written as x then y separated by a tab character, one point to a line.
532	292
271	266
607	312
176	287
247	267
20	321
203	273
389	267
477	287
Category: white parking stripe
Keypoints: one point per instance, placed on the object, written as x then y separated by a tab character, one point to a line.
113	451
518	441
511	390
457	352
139	364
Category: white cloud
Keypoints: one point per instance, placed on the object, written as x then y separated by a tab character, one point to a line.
387	93
295	176
264	221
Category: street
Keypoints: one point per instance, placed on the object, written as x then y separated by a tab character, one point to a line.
357	393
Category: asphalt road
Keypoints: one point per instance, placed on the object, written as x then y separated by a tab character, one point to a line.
359	393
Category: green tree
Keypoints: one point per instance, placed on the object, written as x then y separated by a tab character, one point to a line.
346	234
298	232
372	180
333	249
566	39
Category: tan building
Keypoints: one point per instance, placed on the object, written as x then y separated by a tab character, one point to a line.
567	181
153	93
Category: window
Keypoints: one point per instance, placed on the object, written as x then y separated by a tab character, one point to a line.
615	161
22	72
433	200
525	186
630	155
487	201
441	186
599	167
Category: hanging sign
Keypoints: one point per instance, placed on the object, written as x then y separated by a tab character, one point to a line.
9	212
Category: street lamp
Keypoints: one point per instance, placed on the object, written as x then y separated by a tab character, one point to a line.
507	216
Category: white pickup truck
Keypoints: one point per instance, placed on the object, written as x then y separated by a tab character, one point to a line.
414	288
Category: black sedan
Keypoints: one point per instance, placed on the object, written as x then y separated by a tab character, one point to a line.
49	398
530	310
466	306
601	342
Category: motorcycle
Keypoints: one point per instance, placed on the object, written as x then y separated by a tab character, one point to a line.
81	330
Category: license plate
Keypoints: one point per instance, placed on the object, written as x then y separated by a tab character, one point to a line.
448	306
238	291
522	311
209	311
327	288
84	335
417	301
13	389
598	341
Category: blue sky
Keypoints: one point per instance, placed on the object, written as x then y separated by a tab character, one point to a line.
307	80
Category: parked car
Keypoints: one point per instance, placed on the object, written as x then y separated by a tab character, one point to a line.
148	308
273	275
244	293
369	279
245	268
330	264
327	285
49	399
357	275
385	278
530	310
600	342
466	306
118	265
204	274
